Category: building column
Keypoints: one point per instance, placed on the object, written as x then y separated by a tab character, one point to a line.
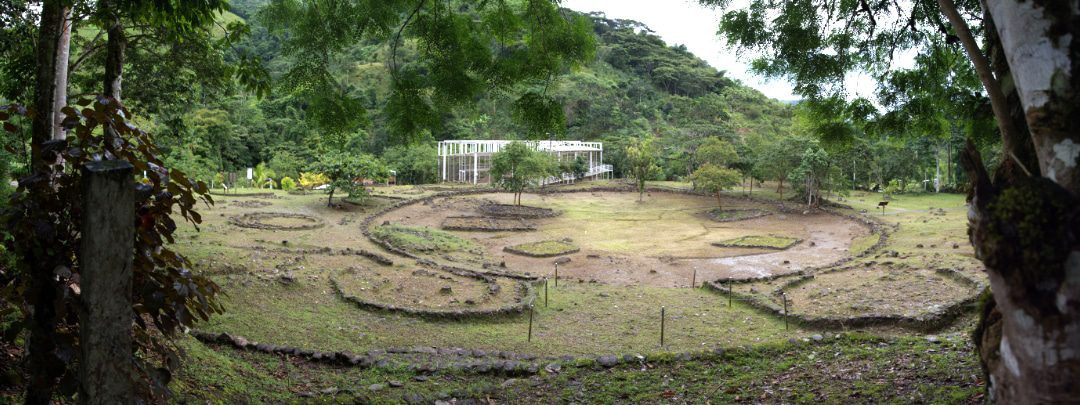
443	167
475	168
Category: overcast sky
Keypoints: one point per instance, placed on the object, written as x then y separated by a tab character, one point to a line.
687	22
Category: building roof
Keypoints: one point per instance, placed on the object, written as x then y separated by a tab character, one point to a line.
494	145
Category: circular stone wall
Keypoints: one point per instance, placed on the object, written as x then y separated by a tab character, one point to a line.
277	221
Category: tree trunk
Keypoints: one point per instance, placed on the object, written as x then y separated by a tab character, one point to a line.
1024	227
43	364
116	47
751	186
330	199
63	52
719	204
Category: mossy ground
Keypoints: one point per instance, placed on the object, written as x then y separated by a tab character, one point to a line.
421	239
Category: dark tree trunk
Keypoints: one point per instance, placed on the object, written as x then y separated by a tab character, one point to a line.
116	47
43	364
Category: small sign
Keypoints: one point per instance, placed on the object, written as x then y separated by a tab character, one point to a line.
882	206
251	173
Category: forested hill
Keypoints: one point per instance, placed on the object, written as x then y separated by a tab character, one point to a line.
205	123
636	85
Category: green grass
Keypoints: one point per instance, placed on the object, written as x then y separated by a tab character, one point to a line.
580	318
546	248
861	245
423	239
847	368
761	241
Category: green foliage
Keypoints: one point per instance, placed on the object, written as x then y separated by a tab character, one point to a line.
346	171
641	161
714	179
44	218
415	164
717	152
461	52
288	184
285	163
518	166
576	167
809	178
263	176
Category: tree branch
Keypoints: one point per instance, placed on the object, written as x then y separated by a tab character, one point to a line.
397	39
993	87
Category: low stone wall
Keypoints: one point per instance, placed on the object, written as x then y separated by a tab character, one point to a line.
375	257
927	323
487	224
254	220
524	299
251	195
730	245
510	249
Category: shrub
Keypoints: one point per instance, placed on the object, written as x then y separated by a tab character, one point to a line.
288	184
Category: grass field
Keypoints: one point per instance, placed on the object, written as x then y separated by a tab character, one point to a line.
580	318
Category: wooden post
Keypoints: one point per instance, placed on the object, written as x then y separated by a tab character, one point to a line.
730	292
545	293
530	322
105	318
693	279
784	296
662	318
556	274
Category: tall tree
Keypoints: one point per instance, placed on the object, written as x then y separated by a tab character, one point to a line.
641	159
517	166
1023	218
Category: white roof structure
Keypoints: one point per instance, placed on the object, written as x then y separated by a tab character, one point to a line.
468	147
469	161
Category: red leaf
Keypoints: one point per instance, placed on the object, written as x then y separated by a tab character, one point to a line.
10	127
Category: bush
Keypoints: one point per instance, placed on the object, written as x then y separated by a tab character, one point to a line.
288	184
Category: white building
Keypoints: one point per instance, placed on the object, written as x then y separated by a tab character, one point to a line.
470	161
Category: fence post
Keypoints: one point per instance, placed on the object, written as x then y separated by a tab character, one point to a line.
662	318
556	274
693	279
784	296
105	317
545	293
530	322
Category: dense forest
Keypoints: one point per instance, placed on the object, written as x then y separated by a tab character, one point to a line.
229	100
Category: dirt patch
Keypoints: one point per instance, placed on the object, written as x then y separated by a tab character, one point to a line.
547	248
772	242
719	215
486	224
277	221
516	211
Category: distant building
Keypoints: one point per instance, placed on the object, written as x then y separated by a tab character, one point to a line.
470	161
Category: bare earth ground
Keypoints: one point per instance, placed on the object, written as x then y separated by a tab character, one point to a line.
659	242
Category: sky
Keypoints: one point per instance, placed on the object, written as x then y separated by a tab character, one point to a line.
688	23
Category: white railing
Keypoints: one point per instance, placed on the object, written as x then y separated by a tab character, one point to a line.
593	171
